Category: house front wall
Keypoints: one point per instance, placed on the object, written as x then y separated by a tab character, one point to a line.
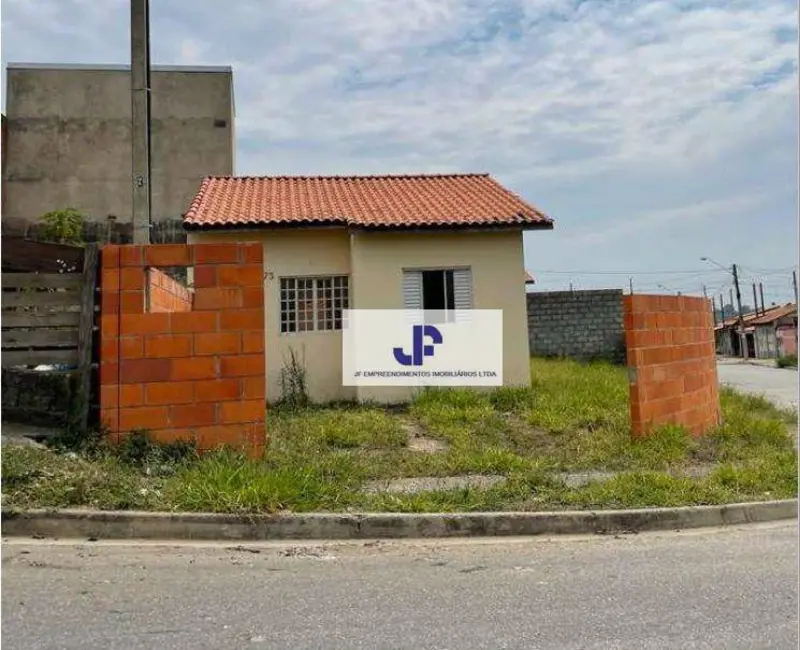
495	259
297	253
766	342
375	263
787	338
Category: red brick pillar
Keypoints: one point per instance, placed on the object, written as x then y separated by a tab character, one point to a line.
181	374
671	363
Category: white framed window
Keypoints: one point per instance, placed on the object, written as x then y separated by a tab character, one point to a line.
313	304
437	289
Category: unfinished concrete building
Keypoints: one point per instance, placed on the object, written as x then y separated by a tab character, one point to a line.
67	144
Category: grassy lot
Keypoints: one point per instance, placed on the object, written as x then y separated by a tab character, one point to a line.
574	418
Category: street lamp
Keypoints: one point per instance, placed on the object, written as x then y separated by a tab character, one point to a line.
715	263
735	273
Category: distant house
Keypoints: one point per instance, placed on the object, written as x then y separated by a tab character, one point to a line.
767	334
775	332
372	242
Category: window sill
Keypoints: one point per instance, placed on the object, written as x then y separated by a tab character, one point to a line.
309	333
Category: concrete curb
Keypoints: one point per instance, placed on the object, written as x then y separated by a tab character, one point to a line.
318	526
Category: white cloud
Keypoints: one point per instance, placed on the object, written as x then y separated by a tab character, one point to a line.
693	214
601	113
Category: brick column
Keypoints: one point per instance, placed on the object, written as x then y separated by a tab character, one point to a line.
671	363
197	374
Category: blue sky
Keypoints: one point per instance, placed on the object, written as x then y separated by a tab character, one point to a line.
653	132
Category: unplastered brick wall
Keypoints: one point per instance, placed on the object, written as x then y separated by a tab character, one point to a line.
185	375
576	324
165	294
671	363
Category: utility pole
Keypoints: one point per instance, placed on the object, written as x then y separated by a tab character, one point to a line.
140	120
630	284
794	284
722	307
755	299
714	310
742	338
761	291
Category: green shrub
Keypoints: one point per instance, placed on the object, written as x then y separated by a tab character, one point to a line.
62	227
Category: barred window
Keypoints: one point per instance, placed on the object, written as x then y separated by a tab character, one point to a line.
313	304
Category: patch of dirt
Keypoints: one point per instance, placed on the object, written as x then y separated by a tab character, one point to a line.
433	483
418	441
528	439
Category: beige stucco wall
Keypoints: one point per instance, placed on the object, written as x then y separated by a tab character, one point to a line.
298	253
496	260
375	263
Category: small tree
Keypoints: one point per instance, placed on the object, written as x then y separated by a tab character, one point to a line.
63	227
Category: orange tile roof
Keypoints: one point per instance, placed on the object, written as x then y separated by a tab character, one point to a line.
753	318
774	314
454	200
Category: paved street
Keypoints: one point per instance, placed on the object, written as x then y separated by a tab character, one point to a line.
779	385
721	588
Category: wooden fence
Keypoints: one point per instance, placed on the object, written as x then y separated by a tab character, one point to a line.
21	255
48	319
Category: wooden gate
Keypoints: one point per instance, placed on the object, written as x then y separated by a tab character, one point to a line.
48	320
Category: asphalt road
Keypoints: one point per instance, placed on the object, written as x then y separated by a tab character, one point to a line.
779	385
720	588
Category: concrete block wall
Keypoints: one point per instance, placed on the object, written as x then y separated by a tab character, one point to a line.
185	375
671	363
68	141
165	294
576	324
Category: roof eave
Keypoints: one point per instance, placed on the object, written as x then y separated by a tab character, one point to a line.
455	227
285	225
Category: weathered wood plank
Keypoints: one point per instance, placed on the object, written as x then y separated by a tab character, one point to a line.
40	338
33	319
41	281
91	259
36	357
12	300
20	254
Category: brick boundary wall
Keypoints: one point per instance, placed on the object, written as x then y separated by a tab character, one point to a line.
196	375
576	324
671	363
165	294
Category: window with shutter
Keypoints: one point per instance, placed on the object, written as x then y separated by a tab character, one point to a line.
445	290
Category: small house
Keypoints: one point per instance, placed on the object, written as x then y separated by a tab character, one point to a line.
372	242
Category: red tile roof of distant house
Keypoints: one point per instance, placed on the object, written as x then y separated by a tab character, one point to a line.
377	202
774	314
767	316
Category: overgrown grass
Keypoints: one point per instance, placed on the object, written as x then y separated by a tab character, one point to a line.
789	361
573	418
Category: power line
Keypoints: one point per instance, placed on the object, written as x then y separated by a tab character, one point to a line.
773	271
629	273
